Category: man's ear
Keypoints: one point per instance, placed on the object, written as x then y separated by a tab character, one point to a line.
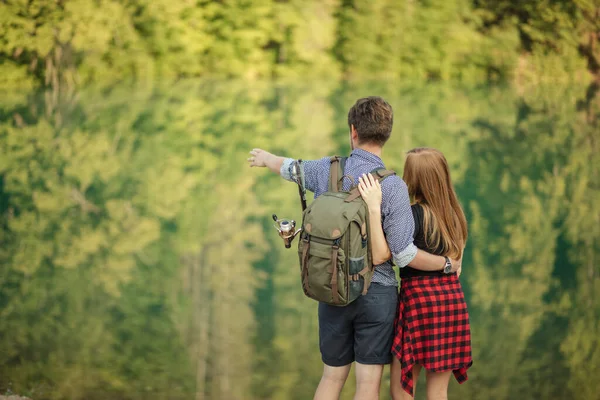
353	133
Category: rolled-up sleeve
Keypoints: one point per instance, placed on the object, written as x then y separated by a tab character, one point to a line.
315	172
398	223
286	169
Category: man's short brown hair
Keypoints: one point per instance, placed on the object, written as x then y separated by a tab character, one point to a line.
373	119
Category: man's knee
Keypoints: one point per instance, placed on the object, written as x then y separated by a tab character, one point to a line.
332	382
336	374
368	372
368	375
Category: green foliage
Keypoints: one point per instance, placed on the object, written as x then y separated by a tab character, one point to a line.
138	257
65	44
553	32
111	247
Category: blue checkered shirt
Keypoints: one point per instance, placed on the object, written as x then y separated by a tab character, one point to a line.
397	219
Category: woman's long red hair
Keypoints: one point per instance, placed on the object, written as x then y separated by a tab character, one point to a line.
427	175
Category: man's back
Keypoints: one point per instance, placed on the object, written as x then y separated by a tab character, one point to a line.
396	213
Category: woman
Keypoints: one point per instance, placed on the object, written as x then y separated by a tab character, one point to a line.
432	326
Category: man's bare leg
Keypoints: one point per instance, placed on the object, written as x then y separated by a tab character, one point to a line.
332	382
368	381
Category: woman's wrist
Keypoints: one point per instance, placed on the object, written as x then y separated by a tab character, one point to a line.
375	212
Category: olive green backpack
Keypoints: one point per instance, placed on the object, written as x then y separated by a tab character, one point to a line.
334	248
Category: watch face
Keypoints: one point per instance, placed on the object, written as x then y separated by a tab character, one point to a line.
448	267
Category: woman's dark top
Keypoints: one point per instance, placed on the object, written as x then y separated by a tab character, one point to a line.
419	241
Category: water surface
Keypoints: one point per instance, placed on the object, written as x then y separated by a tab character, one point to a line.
138	258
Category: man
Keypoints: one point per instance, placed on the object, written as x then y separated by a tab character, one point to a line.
363	330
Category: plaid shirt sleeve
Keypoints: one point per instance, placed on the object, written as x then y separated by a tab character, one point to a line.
398	223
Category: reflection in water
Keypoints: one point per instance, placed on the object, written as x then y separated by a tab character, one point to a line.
138	257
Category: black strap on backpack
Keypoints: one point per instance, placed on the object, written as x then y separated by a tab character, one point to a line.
300	182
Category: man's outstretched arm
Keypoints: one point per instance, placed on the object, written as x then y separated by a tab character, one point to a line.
262	158
312	170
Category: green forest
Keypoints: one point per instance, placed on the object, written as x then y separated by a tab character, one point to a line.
60	43
137	253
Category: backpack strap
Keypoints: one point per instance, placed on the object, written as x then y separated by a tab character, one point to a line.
334	280
336	171
304	264
382	173
301	183
342	167
362	272
379	173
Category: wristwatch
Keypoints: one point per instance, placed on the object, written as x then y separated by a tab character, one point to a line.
447	266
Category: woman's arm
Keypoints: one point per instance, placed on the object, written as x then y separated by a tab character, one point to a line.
370	190
429	262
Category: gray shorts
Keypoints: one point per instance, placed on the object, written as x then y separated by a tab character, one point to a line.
362	331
